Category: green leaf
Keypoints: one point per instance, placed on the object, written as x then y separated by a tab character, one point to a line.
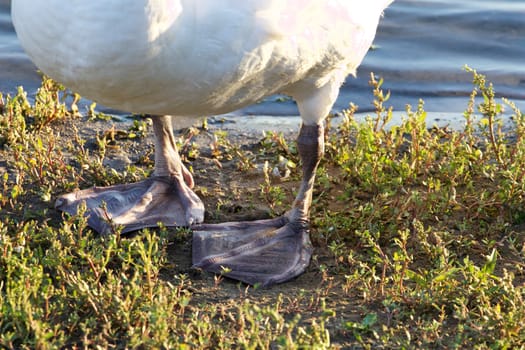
369	320
490	265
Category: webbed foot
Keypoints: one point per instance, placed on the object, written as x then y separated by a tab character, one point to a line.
260	252
265	251
135	206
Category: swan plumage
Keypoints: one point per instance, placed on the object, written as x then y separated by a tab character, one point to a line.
152	56
195	58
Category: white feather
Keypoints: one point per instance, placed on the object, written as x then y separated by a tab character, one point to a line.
198	57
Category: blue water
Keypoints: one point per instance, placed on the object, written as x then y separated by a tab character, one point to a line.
421	49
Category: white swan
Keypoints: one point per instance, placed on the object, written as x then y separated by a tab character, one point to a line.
194	58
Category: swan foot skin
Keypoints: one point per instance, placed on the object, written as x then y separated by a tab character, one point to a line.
268	251
261	252
160	199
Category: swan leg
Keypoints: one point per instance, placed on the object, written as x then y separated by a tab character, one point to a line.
274	251
266	251
165	197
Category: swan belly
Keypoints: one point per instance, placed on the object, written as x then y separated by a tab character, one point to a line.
212	81
182	57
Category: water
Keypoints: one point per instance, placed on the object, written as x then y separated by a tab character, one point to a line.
422	47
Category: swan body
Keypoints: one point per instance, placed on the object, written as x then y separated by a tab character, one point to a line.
195	58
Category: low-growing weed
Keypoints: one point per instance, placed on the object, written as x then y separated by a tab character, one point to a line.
417	230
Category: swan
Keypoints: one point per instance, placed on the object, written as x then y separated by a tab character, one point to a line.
192	58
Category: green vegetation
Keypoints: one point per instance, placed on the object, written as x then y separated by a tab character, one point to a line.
418	234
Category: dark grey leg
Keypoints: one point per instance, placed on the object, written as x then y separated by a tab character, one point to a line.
265	251
165	198
310	145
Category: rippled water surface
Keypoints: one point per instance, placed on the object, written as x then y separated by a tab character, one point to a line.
422	46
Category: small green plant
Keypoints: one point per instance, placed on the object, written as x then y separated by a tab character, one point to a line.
273	194
417	230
